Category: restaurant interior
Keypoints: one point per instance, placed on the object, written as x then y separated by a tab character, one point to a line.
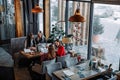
59	39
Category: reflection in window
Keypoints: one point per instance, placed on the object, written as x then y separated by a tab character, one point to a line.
7	22
41	16
106	33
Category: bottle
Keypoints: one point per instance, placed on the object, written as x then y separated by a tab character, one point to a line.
90	64
119	64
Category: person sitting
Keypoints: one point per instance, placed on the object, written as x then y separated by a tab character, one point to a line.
40	38
49	55
38	67
30	42
60	49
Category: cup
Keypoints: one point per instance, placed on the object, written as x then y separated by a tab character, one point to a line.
79	58
94	65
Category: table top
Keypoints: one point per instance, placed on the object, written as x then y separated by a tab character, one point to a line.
78	70
30	54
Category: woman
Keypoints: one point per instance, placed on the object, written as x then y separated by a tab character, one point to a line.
49	55
60	49
40	38
30	42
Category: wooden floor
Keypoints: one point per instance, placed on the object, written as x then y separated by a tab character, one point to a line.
21	74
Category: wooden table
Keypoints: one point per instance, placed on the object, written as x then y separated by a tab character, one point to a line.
118	75
87	73
29	55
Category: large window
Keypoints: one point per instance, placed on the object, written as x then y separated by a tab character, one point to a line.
106	33
80	31
57	11
40	15
54	11
7	19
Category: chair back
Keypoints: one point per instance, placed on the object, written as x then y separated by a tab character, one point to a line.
17	44
71	62
53	67
45	63
62	59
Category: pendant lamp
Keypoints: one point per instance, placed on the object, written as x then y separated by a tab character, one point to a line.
37	9
77	16
1	8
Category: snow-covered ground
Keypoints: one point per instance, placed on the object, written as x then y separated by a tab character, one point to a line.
108	40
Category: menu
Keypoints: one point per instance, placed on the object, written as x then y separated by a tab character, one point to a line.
27	50
68	72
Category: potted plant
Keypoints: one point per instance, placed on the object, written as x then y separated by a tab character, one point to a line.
56	33
97	28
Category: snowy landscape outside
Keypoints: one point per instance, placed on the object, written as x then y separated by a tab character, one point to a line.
110	38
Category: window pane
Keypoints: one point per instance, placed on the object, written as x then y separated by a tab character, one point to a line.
80	30
7	19
41	16
106	33
54	11
57	16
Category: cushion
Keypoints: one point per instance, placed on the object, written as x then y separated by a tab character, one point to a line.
5	58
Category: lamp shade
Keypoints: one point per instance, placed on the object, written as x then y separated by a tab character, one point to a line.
1	8
77	17
37	9
66	40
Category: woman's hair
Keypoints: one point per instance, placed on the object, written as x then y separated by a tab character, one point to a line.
51	51
57	40
60	42
40	32
28	39
29	35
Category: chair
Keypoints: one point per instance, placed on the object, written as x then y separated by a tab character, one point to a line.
40	70
45	63
53	67
62	59
71	62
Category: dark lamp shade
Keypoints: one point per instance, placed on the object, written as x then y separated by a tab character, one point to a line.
77	17
37	9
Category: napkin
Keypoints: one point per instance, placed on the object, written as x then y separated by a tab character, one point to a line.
68	72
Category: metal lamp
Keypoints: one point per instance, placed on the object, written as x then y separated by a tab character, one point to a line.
37	9
77	16
67	40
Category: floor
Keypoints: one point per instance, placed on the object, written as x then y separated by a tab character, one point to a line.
22	74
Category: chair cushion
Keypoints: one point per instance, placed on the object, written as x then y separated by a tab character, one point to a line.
5	58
